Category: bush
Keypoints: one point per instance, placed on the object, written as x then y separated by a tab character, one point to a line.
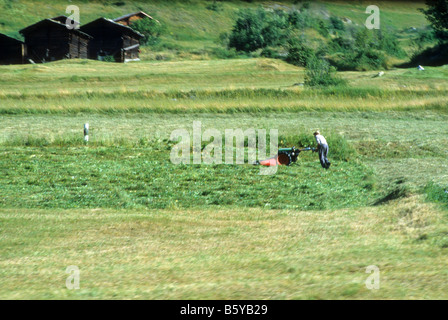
388	42
436	193
214	6
258	29
270	52
337	24
320	73
150	28
222	53
246	34
109	59
365	50
368	59
299	53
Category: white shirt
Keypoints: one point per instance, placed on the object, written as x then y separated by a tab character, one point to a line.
320	139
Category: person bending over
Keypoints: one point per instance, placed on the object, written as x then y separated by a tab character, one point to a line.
322	148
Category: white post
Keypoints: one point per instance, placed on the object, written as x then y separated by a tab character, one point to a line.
86	132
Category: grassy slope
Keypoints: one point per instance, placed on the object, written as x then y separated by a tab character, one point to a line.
189	24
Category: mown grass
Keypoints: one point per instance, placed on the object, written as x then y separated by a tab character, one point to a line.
63	174
397	145
225	253
232	86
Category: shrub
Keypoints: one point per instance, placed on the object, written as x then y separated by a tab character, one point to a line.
222	53
320	73
109	58
337	23
270	52
388	42
258	29
299	53
246	34
365	50
150	28
436	193
214	6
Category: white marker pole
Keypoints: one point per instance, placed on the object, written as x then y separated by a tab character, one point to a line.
86	132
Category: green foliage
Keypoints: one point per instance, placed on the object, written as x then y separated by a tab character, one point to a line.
320	73
368	59
437	193
214	6
337	23
299	53
270	52
366	50
323	29
247	33
108	59
258	29
150	28
437	14
223	53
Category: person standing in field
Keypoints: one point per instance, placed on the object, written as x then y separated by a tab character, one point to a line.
322	148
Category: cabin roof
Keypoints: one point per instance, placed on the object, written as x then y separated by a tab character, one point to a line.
63	20
138	13
53	23
105	21
4	36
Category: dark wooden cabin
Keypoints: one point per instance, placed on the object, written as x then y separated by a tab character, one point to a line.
12	51
112	39
127	19
50	40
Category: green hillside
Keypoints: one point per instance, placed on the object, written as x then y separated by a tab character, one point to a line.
191	25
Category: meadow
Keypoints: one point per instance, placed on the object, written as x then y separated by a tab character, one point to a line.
140	227
210	86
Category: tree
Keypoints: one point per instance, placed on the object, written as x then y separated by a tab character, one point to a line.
257	29
246	34
151	29
437	15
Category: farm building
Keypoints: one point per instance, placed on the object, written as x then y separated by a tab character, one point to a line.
12	51
50	40
127	19
111	39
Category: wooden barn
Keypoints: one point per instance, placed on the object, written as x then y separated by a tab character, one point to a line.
12	51
127	19
50	40
111	39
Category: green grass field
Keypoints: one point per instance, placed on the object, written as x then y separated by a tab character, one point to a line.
140	227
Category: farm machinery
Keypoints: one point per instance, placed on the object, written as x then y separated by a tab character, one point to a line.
284	157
